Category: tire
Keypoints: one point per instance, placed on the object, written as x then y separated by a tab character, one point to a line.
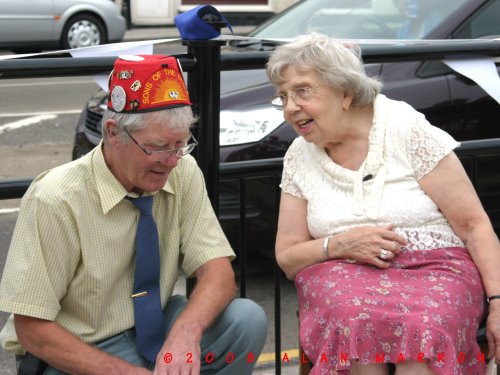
83	30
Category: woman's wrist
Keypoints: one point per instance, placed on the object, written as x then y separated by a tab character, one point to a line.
326	243
493	299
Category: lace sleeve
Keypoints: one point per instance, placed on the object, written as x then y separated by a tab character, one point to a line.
290	171
427	146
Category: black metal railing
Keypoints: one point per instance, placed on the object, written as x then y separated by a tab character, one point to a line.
203	64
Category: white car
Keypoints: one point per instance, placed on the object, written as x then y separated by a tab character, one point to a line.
36	25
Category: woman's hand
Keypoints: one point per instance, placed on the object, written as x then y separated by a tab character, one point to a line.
493	330
373	245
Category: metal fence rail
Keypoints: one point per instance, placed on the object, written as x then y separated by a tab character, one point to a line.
203	64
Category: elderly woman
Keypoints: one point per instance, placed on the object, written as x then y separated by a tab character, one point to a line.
379	225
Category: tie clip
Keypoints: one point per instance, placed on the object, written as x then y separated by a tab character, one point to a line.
141	294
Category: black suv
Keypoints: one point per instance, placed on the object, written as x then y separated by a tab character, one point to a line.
252	129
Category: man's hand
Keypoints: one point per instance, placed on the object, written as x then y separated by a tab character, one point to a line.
215	288
49	341
181	352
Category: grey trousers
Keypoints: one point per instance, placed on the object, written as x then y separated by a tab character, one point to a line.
230	346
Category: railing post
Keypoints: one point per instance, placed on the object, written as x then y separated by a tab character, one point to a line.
277	287
204	90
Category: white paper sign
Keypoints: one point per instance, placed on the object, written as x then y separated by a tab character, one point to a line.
481	70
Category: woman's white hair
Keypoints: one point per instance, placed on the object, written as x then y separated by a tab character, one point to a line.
340	66
174	118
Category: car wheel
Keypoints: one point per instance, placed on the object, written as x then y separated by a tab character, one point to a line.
83	30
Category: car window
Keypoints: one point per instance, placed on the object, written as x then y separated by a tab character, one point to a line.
485	23
19	20
477	115
378	20
361	19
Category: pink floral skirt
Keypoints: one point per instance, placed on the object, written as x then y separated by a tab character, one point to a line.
426	307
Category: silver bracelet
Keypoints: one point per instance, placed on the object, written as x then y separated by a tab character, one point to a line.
325	246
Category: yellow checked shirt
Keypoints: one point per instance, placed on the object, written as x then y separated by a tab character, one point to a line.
71	258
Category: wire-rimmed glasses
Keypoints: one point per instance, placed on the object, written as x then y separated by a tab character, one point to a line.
299	95
159	155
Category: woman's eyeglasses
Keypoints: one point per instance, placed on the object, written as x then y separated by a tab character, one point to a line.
299	95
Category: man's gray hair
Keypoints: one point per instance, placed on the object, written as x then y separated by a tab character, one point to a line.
340	66
174	118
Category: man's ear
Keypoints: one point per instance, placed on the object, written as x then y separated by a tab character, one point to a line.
110	127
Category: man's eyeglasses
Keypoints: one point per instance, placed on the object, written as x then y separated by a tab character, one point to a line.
159	155
299	95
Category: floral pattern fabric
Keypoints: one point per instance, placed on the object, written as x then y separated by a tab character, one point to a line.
426	307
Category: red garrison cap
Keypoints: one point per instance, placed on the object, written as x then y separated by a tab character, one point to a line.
143	83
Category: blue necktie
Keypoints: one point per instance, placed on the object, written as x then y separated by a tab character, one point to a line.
146	294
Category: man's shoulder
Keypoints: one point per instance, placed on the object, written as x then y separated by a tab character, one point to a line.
62	180
188	162
187	166
185	176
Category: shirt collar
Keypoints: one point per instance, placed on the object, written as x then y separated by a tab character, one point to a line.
110	190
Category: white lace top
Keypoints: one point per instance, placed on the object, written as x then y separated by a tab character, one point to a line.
403	147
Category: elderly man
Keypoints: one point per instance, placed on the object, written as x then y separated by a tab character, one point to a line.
98	243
